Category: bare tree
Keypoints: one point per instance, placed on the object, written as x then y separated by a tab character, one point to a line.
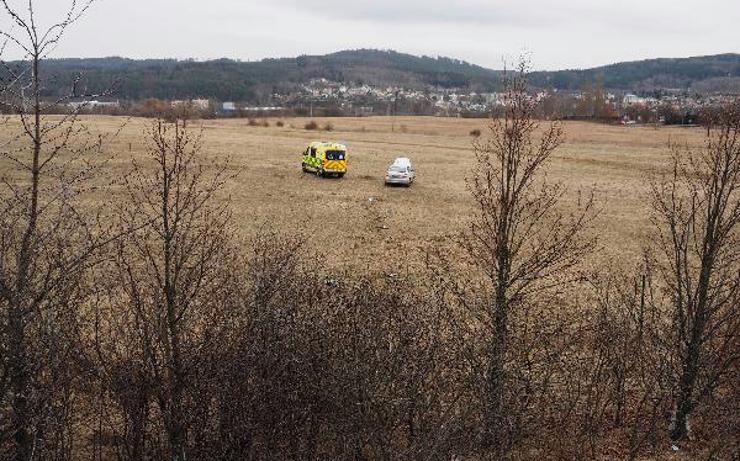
173	285
696	216
45	241
520	239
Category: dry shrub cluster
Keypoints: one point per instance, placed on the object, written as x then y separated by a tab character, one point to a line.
312	125
337	367
260	123
160	109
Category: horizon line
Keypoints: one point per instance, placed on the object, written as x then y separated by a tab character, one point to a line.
255	61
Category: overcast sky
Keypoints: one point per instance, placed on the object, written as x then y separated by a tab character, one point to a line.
557	33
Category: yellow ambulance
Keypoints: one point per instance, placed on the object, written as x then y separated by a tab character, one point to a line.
325	159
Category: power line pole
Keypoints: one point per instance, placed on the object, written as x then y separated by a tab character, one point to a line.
395	111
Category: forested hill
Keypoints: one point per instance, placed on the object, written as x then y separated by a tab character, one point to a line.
254	81
702	73
243	81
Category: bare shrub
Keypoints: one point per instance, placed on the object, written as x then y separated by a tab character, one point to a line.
312	125
328	127
279	124
476	133
153	108
261	123
629	367
334	366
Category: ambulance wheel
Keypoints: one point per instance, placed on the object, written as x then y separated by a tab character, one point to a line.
319	172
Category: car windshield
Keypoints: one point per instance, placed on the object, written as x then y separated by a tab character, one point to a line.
335	155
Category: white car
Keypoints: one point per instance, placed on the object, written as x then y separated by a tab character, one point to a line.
400	172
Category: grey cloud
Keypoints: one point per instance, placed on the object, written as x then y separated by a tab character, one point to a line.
490	12
558	33
624	15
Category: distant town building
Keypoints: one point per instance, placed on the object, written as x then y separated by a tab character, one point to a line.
201	104
262	108
631	99
91	105
196	104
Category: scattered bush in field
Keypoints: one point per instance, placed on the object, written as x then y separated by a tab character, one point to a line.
280	124
312	125
328	127
258	123
476	133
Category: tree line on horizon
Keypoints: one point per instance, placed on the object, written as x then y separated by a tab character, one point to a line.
255	82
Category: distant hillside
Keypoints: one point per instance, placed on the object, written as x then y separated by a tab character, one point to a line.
699	73
255	81
252	81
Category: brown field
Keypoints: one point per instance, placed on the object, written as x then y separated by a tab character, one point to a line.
340	219
338	216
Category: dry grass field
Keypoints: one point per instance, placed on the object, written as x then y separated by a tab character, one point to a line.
357	221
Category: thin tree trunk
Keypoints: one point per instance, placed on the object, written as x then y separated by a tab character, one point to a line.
19	373
496	380
691	364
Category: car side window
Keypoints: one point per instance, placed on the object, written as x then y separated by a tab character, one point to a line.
313	152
